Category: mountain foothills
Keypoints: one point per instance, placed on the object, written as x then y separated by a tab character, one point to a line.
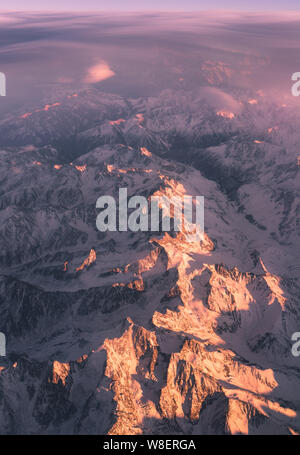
145	332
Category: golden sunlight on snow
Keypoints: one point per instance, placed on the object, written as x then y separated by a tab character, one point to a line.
88	261
81	168
225	114
273	128
140	118
45	108
60	372
117	122
110	167
145	151
27	114
123	358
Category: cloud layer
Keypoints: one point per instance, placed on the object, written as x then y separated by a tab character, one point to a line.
142	54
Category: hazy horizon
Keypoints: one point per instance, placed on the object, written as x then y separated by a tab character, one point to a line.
155	5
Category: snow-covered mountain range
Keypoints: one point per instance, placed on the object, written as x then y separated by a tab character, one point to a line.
142	332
